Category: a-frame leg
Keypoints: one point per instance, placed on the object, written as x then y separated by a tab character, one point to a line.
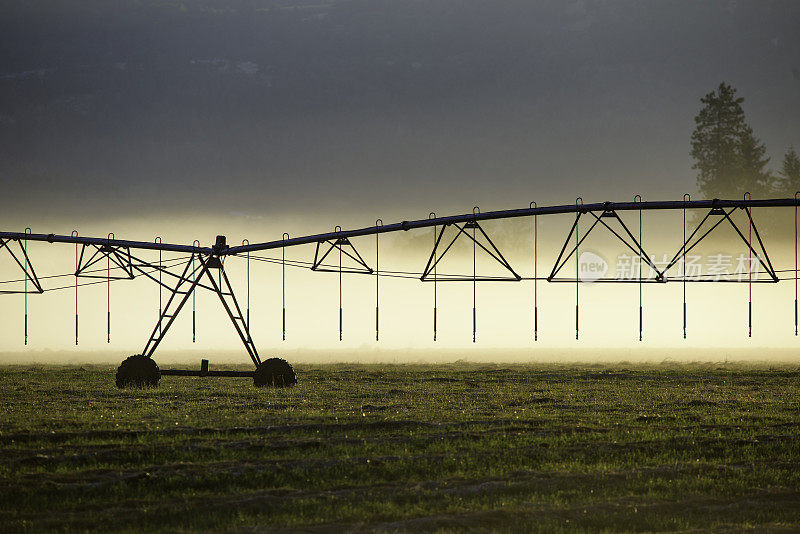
223	289
174	305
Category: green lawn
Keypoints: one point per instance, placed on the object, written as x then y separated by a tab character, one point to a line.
397	448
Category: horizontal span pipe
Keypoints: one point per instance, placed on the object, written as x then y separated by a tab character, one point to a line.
522	212
52	238
410	225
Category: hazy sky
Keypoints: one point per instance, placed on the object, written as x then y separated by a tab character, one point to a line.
256	117
390	109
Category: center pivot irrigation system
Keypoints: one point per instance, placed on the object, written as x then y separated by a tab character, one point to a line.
108	259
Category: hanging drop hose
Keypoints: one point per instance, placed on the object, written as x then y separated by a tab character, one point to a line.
283	286
75	234
578	202
378	222
196	244
158	240
535	281
475	211
246	242
108	293
432	215
25	253
339	246
686	197
749	268
638	198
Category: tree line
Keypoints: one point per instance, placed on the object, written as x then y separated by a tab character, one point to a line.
728	156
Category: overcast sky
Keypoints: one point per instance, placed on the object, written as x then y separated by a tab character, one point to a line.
391	109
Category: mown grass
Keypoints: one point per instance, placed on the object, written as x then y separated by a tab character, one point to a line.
396	448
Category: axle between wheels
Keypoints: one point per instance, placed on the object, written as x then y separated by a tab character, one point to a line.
139	371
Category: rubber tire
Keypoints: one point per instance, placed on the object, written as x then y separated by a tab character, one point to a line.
138	371
275	372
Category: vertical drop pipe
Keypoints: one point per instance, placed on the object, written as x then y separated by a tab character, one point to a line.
638	198
25	289
378	222
535	280
475	211
283	288
195	244
686	197
432	215
578	201
339	246
795	261
158	317
749	268
108	293
75	234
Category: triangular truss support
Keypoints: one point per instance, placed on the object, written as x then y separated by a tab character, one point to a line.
344	246
626	237
491	250
24	262
119	256
725	215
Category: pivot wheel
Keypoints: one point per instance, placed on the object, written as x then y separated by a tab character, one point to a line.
275	372
138	371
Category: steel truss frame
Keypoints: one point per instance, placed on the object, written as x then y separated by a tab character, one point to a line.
118	255
628	240
25	265
436	256
340	244
763	258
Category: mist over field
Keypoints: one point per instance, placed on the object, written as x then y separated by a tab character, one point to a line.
666	358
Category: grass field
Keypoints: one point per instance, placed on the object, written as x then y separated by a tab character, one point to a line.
396	448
